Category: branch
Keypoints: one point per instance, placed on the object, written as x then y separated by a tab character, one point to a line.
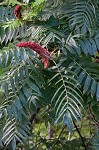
80	135
58	138
93	117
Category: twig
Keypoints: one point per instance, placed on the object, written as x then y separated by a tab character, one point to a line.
34	115
80	135
93	117
58	138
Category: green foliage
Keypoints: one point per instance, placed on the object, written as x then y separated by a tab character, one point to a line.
66	96
12	2
70	31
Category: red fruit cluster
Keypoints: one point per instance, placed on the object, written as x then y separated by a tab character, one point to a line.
17	11
44	53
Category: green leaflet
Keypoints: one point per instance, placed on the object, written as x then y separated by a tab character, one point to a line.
13	143
68	121
93	88
6	89
12	84
81	77
34	87
94	47
87	84
84	29
97	93
83	47
89	47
